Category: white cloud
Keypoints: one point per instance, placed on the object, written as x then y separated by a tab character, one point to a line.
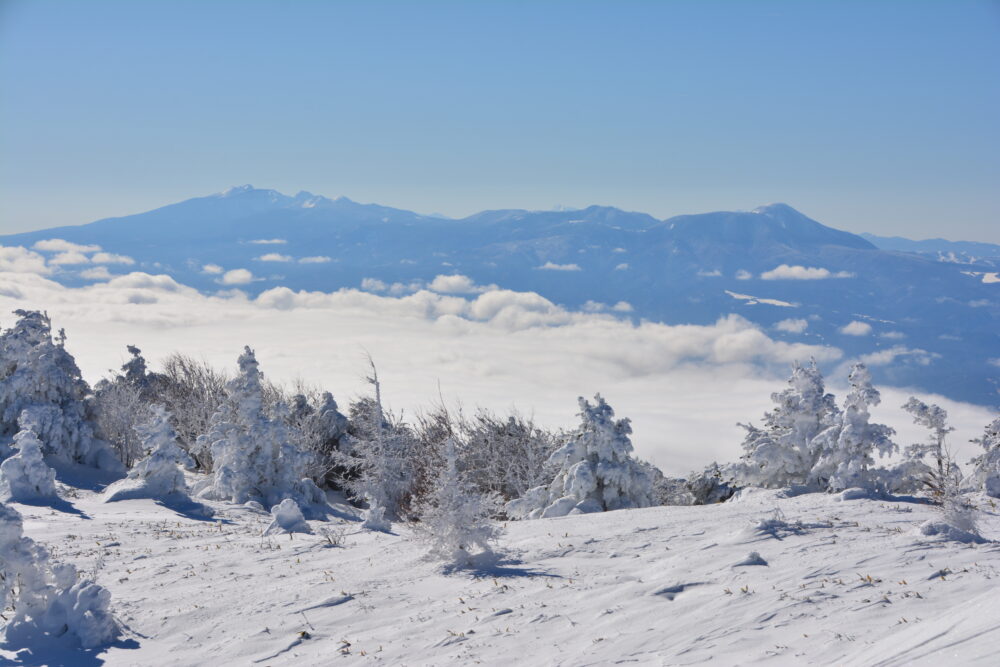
621	267
551	266
892	335
319	259
373	285
856	328
274	257
710	274
620	250
743	274
754	300
212	269
96	273
59	245
18	259
994	362
111	258
894	354
457	284
796	326
269	241
786	272
236	277
623	307
69	258
594	307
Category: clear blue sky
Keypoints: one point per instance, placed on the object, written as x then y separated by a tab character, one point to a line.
868	116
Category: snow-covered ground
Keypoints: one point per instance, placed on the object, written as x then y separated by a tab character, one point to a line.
801	580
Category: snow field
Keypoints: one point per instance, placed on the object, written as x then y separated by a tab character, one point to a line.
846	582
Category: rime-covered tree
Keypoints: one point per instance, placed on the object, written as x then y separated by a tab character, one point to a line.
157	474
986	466
377	459
253	455
846	447
39	376
783	452
320	427
121	402
46	596
25	477
455	518
915	471
595	470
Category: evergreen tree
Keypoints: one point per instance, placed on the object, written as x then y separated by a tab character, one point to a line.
38	376
253	455
595	470
158	474
456	519
25	477
846	447
784	452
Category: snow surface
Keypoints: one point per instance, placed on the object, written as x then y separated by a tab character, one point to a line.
819	581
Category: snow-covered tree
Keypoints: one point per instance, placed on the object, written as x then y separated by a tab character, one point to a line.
253	455
377	460
25	477
158	474
45	596
986	466
914	472
455	518
783	452
846	447
121	403
712	485
38	375
320	427
595	470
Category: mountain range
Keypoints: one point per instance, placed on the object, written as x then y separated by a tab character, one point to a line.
923	314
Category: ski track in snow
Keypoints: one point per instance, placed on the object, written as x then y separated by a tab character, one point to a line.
836	583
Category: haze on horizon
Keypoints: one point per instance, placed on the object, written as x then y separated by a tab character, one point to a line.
876	117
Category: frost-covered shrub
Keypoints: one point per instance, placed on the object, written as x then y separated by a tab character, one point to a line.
158	474
845	448
46	596
253	455
377	460
712	485
38	376
595	470
783	453
506	456
986	466
193	392
287	518
25	477
455	518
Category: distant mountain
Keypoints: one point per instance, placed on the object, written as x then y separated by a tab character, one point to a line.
933	324
959	252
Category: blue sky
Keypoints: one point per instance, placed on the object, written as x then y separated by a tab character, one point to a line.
868	116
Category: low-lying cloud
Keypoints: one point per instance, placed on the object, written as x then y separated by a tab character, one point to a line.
684	386
787	272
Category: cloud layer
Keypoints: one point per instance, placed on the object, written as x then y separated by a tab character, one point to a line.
684	386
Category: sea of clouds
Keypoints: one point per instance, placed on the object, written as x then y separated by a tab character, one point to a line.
684	386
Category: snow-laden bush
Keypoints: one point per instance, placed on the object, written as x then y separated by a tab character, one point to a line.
25	477
455	518
39	376
193	392
986	466
783	452
377	460
48	597
595	470
712	485
320	427
253	455
846	447
287	518
158	474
